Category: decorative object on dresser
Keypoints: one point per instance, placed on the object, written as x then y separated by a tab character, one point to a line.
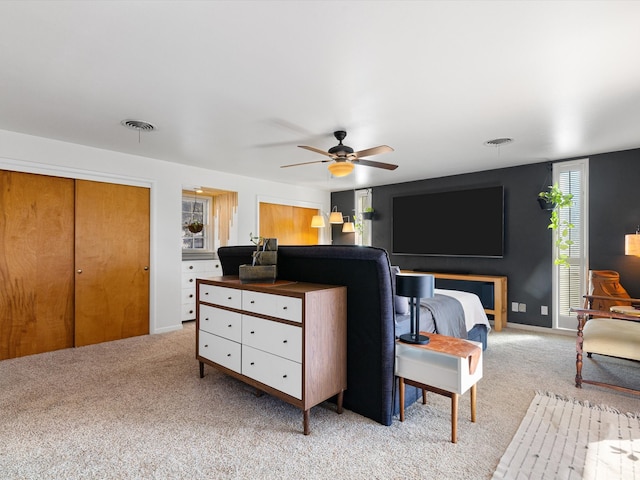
287	338
191	270
263	262
414	286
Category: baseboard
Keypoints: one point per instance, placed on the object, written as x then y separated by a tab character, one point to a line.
535	328
172	328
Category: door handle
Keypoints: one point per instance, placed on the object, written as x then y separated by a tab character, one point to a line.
79	270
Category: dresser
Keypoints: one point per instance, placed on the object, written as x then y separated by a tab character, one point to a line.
287	339
192	269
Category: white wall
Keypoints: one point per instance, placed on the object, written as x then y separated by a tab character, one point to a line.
31	154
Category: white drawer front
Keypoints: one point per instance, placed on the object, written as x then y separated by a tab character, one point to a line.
200	265
259	303
277	372
189	295
289	308
227	297
188	311
221	322
220	350
273	337
188	280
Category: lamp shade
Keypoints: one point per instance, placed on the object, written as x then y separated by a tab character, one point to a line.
415	285
340	169
317	221
336	216
632	244
348	227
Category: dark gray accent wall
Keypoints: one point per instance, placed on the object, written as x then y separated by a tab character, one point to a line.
614	208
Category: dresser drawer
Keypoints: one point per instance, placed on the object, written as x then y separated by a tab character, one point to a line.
189	295
226	297
272	337
199	266
221	322
277	372
220	350
288	308
188	311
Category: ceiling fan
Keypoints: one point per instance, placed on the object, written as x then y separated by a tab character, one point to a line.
343	158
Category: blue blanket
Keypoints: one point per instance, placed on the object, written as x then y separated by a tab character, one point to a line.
441	314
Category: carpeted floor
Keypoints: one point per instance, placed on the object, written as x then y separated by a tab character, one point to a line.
137	409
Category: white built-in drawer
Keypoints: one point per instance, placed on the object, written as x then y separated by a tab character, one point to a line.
220	350
226	297
277	372
199	266
273	337
189	295
221	322
188	311
288	308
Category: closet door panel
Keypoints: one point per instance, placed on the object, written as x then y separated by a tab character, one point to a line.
36	263
112	262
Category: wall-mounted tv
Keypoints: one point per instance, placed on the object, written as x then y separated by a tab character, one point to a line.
455	223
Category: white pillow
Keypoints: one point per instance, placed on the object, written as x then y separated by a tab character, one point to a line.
401	303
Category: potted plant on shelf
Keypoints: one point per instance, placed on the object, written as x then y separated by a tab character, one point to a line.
558	200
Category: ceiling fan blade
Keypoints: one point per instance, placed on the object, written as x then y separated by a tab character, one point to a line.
316	150
305	163
371	163
374	151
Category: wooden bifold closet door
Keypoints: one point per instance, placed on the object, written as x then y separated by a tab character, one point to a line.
111	262
74	263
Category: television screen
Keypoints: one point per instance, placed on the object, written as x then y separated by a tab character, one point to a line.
460	223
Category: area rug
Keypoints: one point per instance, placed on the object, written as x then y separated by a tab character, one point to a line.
562	438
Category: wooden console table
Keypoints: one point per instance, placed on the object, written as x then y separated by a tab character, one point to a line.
499	310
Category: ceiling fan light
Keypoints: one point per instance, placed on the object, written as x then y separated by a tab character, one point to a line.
340	169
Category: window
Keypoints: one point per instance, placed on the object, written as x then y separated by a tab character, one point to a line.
196	208
570	282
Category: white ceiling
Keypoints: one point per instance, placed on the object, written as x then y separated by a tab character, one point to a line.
234	86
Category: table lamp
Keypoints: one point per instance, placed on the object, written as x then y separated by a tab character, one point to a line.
415	286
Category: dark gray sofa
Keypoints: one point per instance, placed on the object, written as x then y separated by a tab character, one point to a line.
366	273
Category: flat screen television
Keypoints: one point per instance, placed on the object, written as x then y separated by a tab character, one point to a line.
456	223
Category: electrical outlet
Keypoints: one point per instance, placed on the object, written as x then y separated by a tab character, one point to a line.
544	310
514	306
522	307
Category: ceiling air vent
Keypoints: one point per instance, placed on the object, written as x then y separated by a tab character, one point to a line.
138	125
496	142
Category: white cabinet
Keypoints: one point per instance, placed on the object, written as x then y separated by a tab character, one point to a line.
192	270
287	339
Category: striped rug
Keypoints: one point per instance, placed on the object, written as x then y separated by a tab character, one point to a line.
562	438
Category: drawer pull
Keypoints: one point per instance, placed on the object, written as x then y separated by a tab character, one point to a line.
229	325
206	293
252	332
228	354
206	319
206	346
228	298
284	308
191	280
190	267
252	301
253	363
191	295
190	311
284	376
284	341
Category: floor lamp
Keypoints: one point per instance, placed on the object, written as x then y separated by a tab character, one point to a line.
415	286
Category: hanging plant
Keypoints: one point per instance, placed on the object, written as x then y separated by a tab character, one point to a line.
555	197
195	226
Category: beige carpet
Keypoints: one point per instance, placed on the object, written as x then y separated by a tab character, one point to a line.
562	438
137	409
